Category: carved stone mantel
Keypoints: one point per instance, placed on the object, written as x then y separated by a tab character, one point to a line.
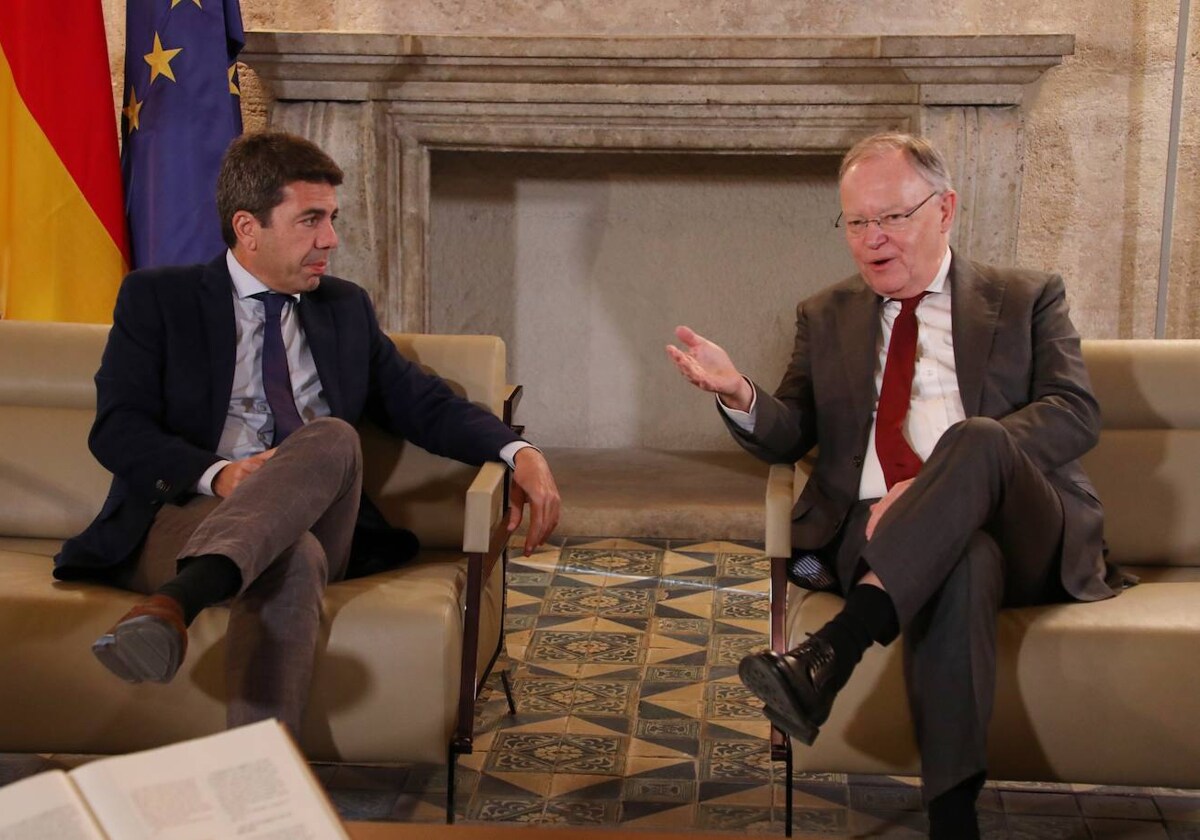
380	104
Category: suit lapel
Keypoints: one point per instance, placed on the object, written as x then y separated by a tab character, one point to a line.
858	336
216	308
974	309
321	332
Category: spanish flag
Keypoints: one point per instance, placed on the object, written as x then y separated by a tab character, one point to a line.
63	246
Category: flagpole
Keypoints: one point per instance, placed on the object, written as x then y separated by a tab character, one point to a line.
1164	256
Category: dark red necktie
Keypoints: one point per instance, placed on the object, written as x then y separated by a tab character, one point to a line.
897	458
277	380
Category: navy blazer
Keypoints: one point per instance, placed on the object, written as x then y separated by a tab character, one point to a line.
162	393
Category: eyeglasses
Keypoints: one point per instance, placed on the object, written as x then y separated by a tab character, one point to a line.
889	221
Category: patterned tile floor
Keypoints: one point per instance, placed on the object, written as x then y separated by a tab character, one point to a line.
623	656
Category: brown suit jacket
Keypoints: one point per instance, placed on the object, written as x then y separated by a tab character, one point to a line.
1018	361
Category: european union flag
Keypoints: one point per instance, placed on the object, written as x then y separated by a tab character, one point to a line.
181	110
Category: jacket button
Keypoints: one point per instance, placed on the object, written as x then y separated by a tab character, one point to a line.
161	486
858	461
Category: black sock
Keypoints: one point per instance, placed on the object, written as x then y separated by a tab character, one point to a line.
952	815
872	611
868	617
202	581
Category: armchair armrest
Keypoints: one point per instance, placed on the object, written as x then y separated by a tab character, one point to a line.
484	508
780	498
512	398
484	540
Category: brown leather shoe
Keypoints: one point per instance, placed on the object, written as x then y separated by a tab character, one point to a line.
148	643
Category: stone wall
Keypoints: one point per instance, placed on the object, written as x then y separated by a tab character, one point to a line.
1096	132
586	263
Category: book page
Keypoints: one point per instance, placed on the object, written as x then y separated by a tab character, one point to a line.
249	783
45	805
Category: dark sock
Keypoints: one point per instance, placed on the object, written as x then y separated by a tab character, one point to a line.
202	581
871	610
867	617
952	815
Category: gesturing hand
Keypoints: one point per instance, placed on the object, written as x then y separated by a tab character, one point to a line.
709	368
235	472
532	482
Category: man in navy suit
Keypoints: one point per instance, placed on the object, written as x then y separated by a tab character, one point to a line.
227	400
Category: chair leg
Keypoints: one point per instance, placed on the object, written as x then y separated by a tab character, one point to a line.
451	769
787	795
505	680
508	695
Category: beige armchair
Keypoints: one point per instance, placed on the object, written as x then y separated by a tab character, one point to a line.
403	655
1098	693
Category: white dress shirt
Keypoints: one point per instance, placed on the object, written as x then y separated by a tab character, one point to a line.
936	402
249	424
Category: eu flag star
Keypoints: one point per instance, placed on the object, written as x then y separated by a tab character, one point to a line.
160	60
175	3
233	86
132	111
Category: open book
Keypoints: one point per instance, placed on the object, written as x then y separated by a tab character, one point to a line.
251	783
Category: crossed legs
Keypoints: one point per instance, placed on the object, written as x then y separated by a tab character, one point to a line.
979	528
287	529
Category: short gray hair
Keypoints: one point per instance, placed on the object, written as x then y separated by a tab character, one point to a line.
926	159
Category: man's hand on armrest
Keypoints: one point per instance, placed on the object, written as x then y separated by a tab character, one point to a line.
533	483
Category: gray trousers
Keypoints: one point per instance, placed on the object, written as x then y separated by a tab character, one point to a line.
979	528
288	527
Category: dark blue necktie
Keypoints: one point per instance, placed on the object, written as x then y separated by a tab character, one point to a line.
277	380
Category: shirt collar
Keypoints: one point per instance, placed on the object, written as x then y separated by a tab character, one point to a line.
939	279
938	285
246	284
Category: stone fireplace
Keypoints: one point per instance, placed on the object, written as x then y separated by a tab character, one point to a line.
585	263
454	146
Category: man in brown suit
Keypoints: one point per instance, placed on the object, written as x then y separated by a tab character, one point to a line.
950	404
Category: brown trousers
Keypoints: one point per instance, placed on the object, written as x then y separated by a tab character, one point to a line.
288	528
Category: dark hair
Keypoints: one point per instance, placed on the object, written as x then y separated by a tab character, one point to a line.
257	167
